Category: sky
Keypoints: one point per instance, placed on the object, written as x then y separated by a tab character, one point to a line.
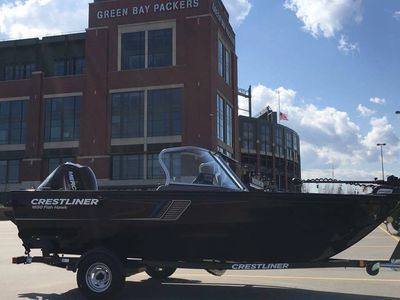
334	63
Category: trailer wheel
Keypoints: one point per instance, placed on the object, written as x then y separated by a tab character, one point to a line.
372	269
100	276
160	273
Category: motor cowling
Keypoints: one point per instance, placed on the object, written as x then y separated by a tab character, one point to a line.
70	177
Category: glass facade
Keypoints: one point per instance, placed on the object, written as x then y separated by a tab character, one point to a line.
164	110
72	66
159	45
9	171
19	71
62	121
125	167
127	115
13	122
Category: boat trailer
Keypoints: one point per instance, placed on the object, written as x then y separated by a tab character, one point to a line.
135	266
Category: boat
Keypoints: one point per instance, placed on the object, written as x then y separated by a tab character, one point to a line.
203	213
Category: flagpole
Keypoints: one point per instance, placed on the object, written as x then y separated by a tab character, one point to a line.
279	107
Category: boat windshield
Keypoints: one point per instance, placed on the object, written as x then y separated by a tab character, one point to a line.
197	166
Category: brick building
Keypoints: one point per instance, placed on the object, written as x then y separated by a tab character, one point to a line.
145	75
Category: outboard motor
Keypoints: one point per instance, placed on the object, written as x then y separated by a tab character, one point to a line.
70	177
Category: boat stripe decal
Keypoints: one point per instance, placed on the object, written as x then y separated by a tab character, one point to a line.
392	236
93	219
299	278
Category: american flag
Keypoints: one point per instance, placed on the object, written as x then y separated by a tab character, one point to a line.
283	117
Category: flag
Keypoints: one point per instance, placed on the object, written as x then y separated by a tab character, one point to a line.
283	117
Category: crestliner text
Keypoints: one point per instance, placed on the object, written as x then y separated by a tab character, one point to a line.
65	202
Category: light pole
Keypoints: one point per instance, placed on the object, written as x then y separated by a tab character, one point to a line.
398	112
383	172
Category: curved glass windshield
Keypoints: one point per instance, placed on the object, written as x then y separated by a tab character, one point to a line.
196	166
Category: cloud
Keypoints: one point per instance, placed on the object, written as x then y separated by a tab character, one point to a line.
396	15
325	17
329	136
382	132
377	100
346	47
238	10
365	111
37	18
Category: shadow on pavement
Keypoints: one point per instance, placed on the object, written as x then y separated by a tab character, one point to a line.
187	289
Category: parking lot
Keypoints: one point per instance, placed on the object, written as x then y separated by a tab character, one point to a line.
41	282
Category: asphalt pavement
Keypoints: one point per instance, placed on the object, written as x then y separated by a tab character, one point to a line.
41	282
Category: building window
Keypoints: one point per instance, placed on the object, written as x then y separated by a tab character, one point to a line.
59	67
127	115
160	48
279	147
19	72
220	58
133	50
224	121
224	62
62	119
154	170
55	162
248	142
229	125
227	76
29	69
8	72
126	167
79	65
147	47
220	118
265	139
9	171
12	122
164	109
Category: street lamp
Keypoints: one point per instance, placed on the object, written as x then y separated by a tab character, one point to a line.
398	112
383	172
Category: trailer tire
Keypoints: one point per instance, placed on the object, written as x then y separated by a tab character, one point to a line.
160	273
371	270
100	276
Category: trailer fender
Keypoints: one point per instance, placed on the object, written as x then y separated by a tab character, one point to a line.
94	251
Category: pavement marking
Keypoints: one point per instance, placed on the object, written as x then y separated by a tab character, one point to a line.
372	246
391	235
303	278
